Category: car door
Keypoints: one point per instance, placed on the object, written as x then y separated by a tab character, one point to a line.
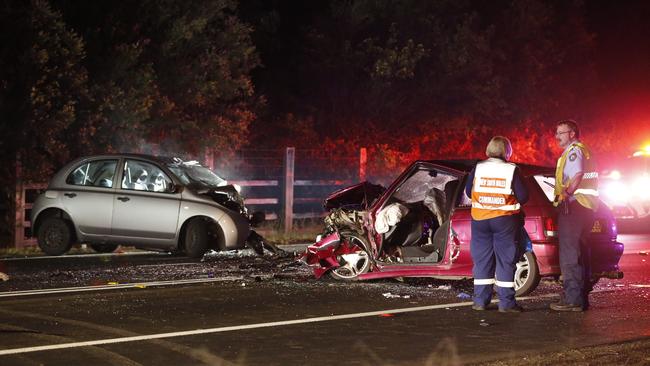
145	205
434	188
88	197
462	224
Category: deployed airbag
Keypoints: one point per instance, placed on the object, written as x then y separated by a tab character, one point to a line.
389	216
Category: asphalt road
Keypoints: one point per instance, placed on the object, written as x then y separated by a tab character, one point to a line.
157	309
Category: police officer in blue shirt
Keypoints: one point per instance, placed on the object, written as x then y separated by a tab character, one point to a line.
576	196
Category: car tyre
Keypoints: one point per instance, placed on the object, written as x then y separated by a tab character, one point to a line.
527	275
104	248
196	238
54	236
357	263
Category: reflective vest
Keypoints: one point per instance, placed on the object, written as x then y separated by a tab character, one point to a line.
587	192
492	194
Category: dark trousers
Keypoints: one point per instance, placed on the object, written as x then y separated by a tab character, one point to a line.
575	254
494	253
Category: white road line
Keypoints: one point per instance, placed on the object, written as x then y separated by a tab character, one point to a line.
73	256
98	342
116	286
169	264
288	247
228	329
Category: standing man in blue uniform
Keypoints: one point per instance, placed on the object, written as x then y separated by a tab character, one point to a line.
497	191
576	196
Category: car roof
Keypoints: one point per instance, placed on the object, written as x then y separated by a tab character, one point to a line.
466	166
161	159
59	178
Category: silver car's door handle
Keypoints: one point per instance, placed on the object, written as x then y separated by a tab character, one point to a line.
123	199
71	195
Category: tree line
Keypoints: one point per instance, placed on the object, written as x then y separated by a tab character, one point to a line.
407	79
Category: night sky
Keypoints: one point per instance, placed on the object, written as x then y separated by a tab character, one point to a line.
622	56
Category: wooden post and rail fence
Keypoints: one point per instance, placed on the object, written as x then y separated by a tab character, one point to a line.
283	201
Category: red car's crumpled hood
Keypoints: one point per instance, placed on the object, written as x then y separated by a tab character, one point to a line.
360	195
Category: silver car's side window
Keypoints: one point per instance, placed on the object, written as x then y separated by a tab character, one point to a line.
98	173
142	176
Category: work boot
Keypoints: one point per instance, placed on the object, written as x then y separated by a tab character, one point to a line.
562	306
515	309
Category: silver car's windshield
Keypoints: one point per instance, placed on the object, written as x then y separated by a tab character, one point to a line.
191	172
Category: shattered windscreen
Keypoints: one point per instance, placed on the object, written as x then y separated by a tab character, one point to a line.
417	185
193	172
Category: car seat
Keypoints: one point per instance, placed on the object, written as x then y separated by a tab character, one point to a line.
141	182
450	191
158	183
436	201
409	230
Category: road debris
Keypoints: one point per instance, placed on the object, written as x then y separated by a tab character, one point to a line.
4	277
389	295
464	295
61	274
441	287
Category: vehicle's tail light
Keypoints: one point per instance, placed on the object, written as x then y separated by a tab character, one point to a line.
550	227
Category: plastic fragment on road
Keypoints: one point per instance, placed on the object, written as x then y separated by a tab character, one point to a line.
210	253
236	253
140	286
444	287
386	315
388	295
113	283
4	276
464	295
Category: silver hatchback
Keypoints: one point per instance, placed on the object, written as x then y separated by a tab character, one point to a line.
145	201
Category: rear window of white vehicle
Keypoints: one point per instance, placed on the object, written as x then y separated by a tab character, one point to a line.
547	184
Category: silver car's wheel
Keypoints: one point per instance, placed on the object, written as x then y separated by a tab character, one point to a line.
352	264
526	274
196	238
54	236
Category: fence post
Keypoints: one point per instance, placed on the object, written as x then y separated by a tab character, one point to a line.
19	230
289	160
208	158
363	162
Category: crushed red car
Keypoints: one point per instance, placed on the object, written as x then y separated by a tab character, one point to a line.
420	227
